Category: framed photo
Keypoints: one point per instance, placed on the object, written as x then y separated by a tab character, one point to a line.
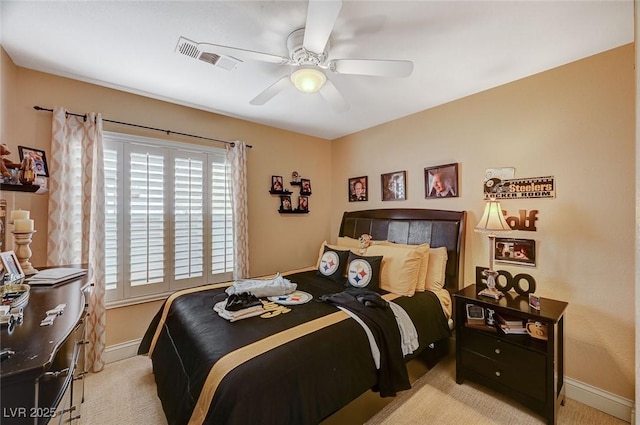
516	251
303	203
305	187
39	159
394	186
358	189
11	264
285	203
441	181
475	312
276	184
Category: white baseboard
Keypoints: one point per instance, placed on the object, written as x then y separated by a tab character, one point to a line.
121	351
604	401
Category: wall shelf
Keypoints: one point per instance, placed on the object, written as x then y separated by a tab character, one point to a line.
19	187
296	211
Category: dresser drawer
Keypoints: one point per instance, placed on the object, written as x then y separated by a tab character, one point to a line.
506	364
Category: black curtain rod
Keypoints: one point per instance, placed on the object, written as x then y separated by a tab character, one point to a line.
40	108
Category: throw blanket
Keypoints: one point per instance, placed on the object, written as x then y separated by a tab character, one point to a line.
376	313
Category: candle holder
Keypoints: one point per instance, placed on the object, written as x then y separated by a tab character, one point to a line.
23	251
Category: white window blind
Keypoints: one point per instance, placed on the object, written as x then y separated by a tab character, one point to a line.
189	218
168	215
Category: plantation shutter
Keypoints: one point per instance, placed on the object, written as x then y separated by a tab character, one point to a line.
221	219
113	209
189	216
147	228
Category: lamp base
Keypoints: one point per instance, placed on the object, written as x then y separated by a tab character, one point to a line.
491	293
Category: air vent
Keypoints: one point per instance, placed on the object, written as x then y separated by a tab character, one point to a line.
211	58
190	48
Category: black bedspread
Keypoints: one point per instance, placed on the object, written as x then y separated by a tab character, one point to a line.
300	382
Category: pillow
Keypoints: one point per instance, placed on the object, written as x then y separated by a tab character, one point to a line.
400	268
353	243
364	271
437	268
424	264
333	263
335	247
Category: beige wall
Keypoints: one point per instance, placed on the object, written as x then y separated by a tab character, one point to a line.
276	242
575	123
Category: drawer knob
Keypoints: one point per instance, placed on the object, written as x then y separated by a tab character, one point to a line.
497	351
498	373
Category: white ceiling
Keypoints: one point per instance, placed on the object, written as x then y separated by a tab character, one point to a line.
458	48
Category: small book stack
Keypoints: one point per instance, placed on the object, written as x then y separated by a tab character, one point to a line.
511	324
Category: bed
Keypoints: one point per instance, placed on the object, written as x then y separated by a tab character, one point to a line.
300	367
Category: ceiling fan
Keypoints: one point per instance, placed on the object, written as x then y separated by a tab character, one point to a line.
308	56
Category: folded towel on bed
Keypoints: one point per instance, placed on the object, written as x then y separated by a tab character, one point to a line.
233	316
263	287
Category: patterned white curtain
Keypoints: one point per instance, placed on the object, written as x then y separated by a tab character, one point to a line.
237	163
76	212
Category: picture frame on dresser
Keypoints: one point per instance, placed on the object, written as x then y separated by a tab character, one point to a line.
11	265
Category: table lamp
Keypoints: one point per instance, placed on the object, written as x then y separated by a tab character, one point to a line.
491	224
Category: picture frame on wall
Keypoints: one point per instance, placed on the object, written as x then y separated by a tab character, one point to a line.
285	203
305	187
358	189
277	184
515	251
303	203
39	159
441	181
394	186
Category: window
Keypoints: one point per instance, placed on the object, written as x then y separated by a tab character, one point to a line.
168	217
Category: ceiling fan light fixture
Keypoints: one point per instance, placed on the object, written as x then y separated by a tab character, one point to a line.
308	80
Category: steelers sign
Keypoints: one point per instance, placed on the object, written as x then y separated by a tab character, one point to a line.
329	263
359	273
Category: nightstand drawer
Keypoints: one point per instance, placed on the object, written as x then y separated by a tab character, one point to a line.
513	374
498	348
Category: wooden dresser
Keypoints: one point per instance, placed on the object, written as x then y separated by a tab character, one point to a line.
527	369
42	383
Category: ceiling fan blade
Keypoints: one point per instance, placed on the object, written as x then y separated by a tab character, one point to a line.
271	91
333	97
376	68
195	49
321	16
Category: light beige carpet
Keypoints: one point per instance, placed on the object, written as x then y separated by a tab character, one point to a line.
124	393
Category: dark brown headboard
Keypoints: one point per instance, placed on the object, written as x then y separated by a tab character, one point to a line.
414	226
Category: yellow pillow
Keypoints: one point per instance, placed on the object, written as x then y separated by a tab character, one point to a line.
437	268
347	241
400	268
424	264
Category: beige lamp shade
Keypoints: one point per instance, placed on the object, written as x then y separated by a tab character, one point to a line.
492	220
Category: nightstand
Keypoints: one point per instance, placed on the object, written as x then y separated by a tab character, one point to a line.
527	369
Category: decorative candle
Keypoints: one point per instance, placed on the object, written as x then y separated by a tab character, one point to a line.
19	214
23	225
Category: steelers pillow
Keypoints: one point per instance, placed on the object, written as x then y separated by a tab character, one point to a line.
364	272
332	264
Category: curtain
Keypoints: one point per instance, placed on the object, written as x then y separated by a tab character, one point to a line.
76	213
237	163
